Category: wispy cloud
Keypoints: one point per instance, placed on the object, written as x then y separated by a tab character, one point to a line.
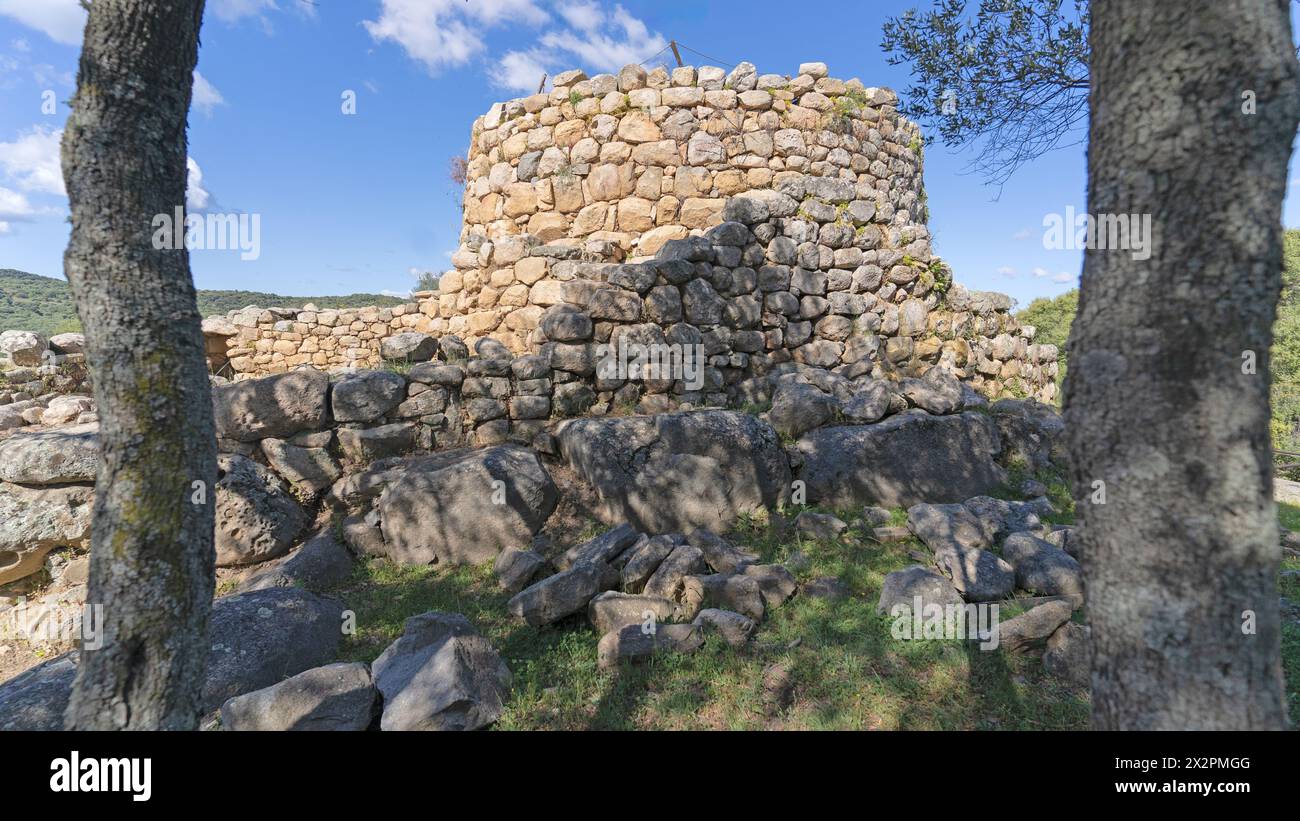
206	96
596	39
1007	271
60	20
31	162
442	33
1023	233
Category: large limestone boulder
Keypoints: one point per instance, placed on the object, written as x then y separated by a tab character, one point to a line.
905	587
277	406
337	697
440	675
34	521
257	519
23	348
676	472
68	343
467	507
259	638
52	457
909	458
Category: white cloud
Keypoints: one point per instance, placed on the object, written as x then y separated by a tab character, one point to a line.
197	197
599	40
61	20
1023	233
1063	277
442	33
4	228
520	70
14	206
21	45
1007	271
1040	272
206	96
32	161
582	15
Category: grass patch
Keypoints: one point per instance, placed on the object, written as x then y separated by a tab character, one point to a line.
847	671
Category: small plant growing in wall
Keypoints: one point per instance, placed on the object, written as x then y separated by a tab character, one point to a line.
575	97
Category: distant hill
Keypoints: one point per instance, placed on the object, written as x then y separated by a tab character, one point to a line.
29	302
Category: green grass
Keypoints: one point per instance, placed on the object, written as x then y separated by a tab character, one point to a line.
29	302
847	670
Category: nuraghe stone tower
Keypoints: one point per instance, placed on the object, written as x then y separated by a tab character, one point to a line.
779	221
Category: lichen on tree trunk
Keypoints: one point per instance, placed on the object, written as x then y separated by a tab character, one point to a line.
151	568
1181	559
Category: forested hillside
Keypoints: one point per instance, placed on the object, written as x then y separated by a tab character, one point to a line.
30	302
1052	318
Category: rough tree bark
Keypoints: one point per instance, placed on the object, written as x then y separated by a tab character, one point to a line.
1156	402
151	565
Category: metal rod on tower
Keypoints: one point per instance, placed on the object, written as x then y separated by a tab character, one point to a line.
542	85
676	53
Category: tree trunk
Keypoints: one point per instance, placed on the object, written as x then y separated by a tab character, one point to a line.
151	564
1181	559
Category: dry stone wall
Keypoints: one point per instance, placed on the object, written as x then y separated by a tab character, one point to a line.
768	218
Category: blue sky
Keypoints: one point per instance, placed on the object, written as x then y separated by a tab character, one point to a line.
358	202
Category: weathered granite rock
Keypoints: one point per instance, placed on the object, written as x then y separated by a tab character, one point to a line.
319	564
909	458
466	507
361	446
979	574
1067	655
311	471
678	471
408	347
1041	567
365	396
562	594
728	591
667	580
34	521
35	699
721	555
603	548
613	610
339	697
256	518
644	560
277	406
1032	628
819	526
734	628
259	638
440	675
799	407
631	643
777	583
515	569
903	586
23	347
51	457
